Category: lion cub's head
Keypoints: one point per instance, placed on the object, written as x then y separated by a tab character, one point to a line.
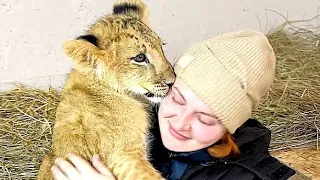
122	52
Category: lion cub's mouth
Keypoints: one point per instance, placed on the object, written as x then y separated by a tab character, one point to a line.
154	98
151	95
157	93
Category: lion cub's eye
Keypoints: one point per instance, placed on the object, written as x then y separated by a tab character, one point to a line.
140	58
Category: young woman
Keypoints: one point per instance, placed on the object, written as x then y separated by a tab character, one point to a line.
203	128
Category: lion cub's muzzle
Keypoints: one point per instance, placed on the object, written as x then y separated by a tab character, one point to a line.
159	90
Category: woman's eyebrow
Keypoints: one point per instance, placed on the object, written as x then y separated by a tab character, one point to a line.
179	92
210	115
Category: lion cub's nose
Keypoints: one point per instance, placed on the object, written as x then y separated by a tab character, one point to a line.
170	84
170	79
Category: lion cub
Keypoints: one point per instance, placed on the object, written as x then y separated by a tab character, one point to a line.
119	69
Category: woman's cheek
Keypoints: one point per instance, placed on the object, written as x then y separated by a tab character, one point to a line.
204	134
167	108
167	103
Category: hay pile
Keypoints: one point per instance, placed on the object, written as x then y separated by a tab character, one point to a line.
26	118
291	109
306	161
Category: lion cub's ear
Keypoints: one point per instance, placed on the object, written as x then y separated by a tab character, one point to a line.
83	49
133	8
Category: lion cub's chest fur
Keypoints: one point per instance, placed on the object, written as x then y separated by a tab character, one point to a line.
106	120
117	55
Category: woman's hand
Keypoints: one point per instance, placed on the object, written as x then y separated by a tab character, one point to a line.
80	169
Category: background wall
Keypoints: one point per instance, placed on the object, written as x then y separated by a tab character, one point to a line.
32	31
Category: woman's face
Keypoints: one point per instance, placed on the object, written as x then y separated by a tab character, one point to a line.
186	123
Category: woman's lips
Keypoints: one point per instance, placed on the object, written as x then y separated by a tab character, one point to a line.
176	134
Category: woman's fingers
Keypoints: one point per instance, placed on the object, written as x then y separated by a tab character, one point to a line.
82	165
100	167
58	174
78	168
64	170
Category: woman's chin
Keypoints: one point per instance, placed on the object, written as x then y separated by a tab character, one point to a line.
174	148
177	147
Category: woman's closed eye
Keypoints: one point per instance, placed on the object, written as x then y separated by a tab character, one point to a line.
206	120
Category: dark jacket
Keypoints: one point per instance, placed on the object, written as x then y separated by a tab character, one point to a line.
254	163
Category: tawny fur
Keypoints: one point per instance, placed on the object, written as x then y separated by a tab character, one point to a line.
104	103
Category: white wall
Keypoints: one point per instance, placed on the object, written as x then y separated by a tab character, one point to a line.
32	31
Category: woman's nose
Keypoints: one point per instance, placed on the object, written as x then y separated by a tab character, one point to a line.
182	126
182	122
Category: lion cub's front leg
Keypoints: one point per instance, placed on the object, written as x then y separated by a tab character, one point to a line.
67	138
44	170
132	167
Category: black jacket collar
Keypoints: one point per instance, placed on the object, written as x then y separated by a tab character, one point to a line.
252	137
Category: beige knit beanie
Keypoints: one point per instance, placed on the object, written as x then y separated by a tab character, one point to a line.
230	73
